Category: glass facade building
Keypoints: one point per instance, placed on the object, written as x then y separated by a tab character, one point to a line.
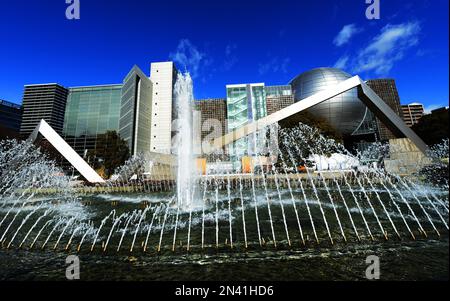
10	119
245	103
136	111
91	111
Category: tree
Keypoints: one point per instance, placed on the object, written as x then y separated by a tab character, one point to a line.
433	128
111	152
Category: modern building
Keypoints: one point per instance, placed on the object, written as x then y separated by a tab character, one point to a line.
412	113
245	103
278	98
365	95
43	101
135	124
345	112
91	111
140	110
163	76
10	119
213	118
386	89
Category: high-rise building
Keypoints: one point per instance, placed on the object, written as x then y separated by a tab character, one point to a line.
10	119
412	113
90	112
386	89
43	101
163	76
213	121
278	98
135	124
139	110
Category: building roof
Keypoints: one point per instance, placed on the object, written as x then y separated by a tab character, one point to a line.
45	84
96	86
10	104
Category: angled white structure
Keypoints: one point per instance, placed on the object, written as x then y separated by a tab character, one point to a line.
366	95
64	149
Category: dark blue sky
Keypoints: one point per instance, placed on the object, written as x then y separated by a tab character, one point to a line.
225	42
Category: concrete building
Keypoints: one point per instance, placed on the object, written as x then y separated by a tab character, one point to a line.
163	76
278	98
213	119
412	113
43	101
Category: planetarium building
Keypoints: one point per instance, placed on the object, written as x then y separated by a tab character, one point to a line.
346	113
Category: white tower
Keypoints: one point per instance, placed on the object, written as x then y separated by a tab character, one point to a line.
163	77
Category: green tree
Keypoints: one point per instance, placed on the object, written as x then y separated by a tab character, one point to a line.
111	152
433	128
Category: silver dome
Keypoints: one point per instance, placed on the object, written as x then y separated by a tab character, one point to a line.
344	112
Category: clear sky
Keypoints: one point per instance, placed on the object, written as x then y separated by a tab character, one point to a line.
226	42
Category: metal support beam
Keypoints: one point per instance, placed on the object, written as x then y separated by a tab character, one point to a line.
393	122
66	151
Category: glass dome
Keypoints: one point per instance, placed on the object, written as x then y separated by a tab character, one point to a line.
344	112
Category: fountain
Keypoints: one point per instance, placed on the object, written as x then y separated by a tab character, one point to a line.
281	209
184	97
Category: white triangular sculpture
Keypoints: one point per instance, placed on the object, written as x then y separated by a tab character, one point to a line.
66	151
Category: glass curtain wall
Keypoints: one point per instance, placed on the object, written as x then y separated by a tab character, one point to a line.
91	111
245	104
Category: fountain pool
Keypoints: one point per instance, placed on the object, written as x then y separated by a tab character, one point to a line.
280	222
